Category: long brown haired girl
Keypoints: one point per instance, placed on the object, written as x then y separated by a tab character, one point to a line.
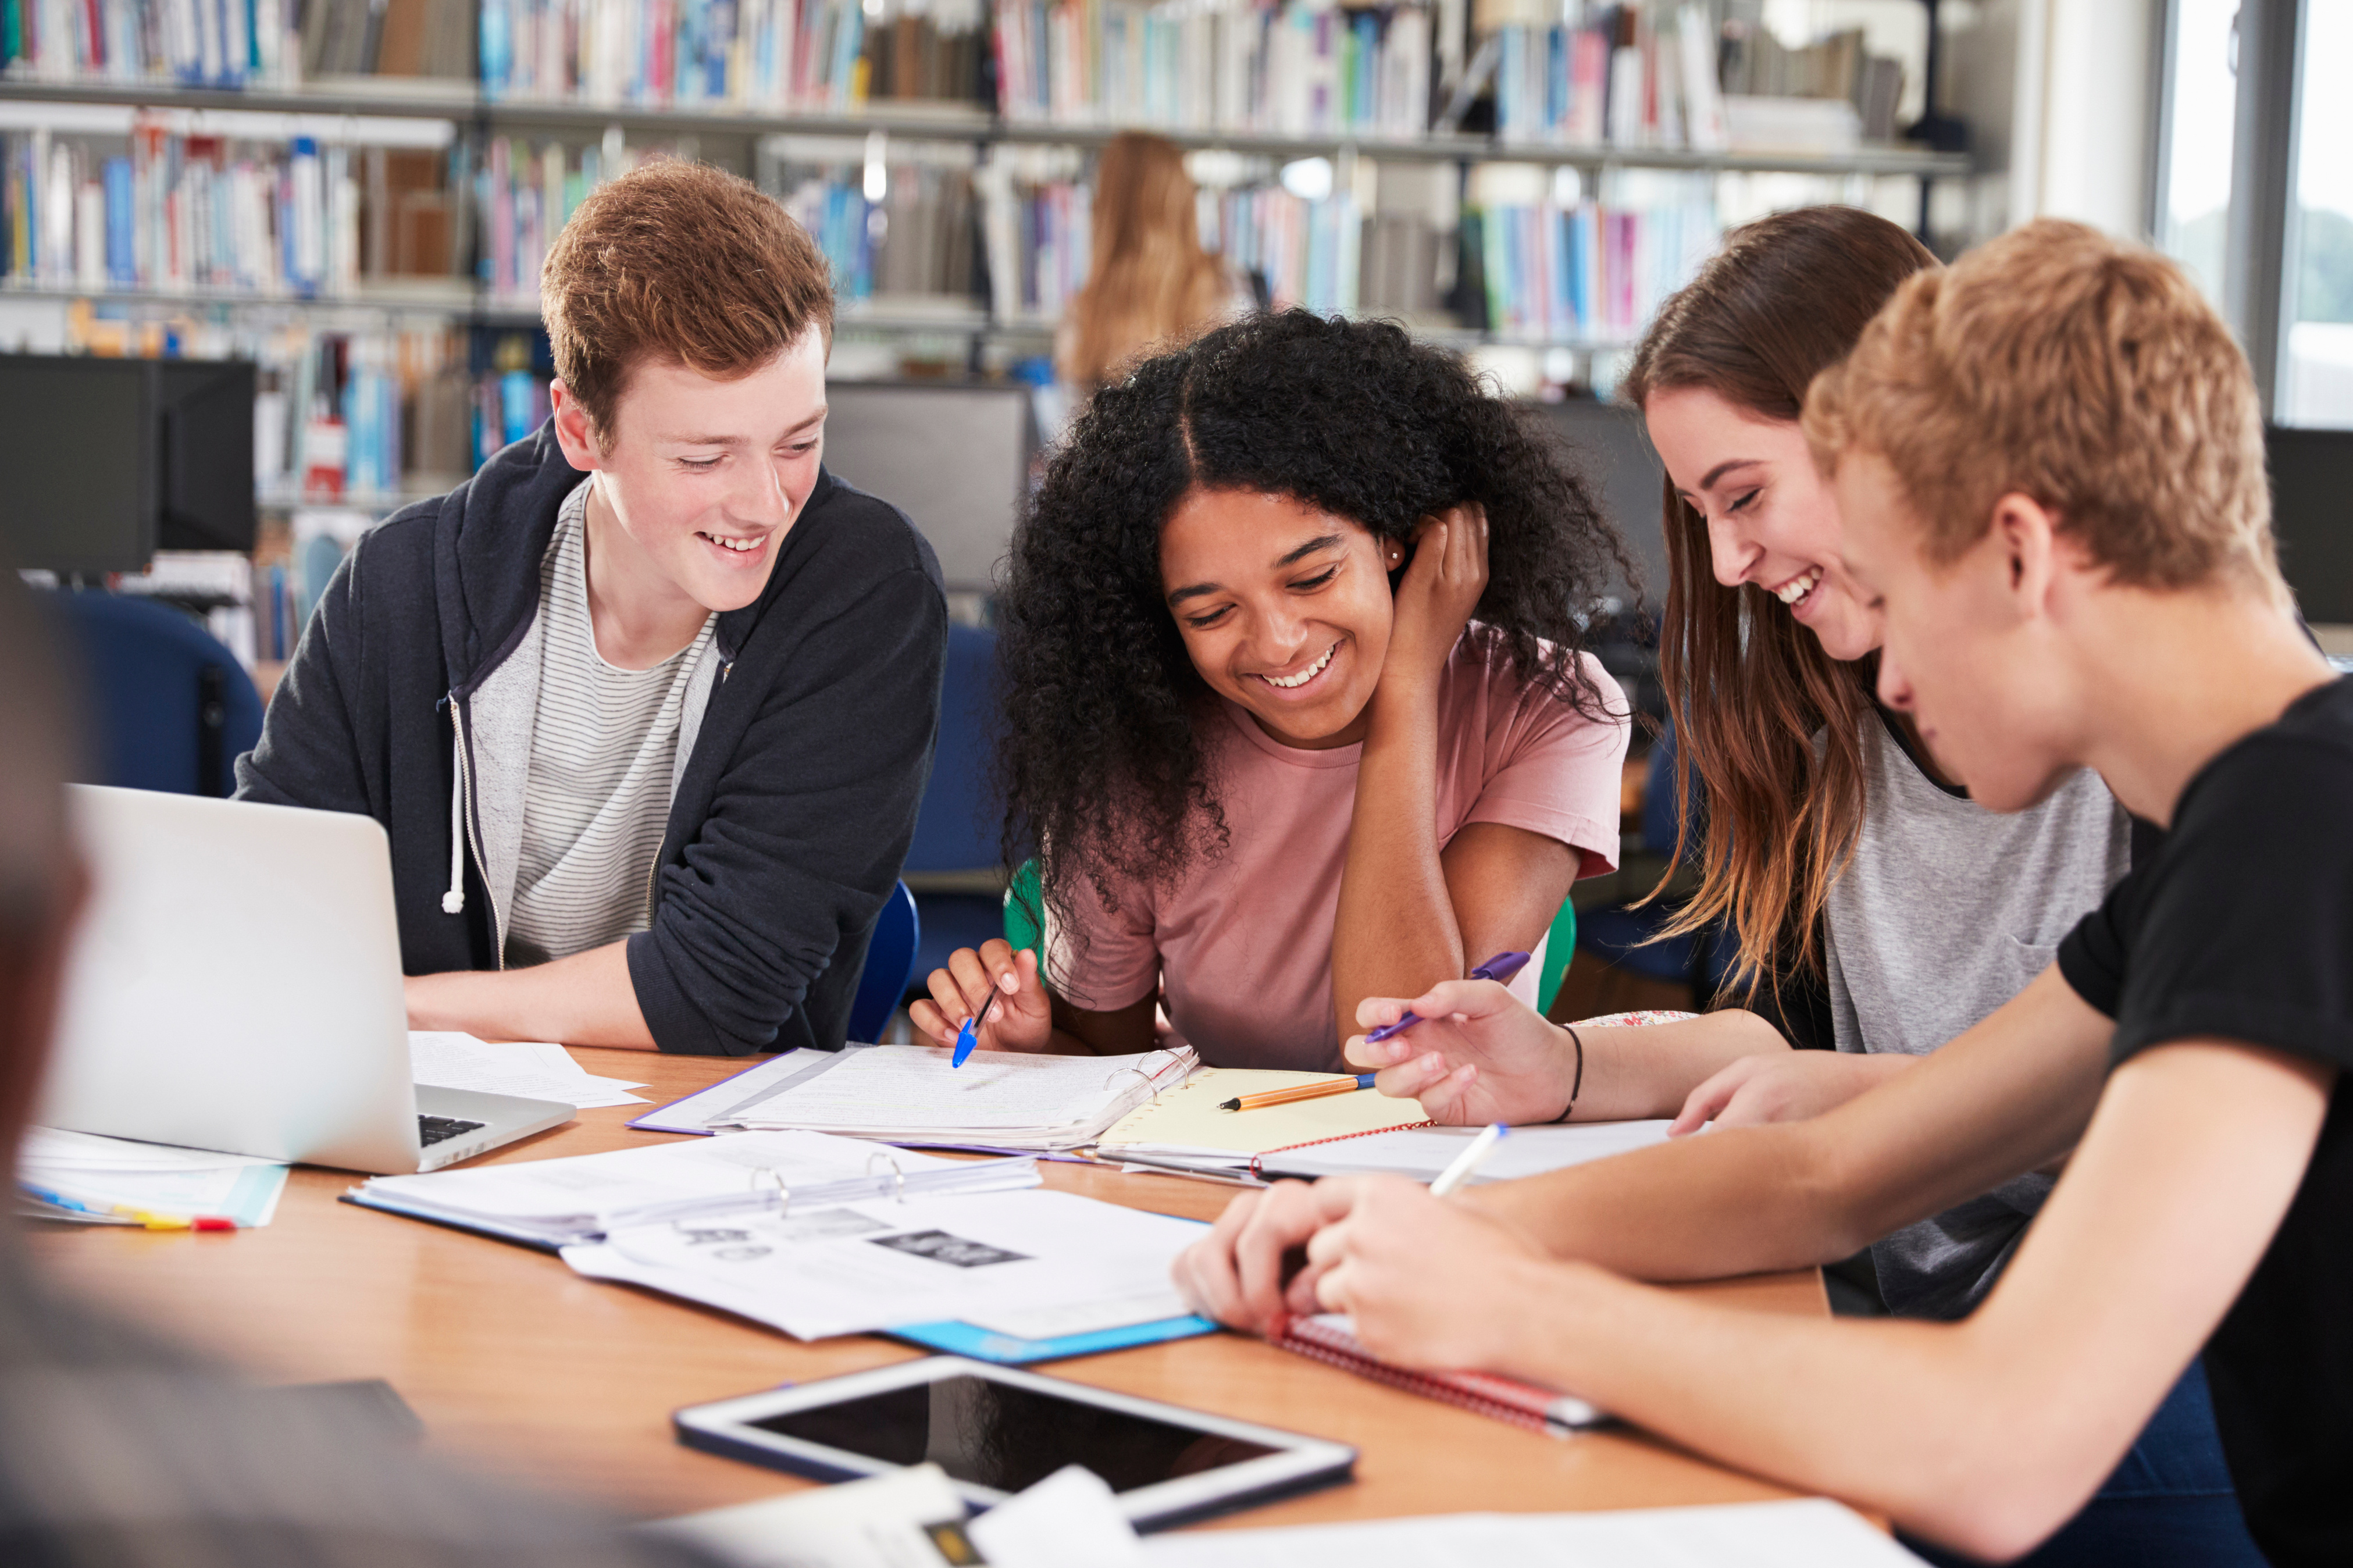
1149	281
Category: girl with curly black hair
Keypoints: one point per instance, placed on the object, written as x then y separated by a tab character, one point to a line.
1294	707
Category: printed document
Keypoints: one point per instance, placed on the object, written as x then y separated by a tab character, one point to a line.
992	1258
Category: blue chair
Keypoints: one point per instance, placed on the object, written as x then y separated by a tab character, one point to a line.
890	964
171	708
954	835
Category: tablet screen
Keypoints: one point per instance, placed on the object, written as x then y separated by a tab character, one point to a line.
1008	1437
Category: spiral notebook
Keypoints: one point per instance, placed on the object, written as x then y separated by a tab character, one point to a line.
1328	1338
1184	1129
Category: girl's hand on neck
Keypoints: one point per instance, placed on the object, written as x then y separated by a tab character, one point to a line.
1434	602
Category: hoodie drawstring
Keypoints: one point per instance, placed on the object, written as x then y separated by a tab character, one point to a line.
454	901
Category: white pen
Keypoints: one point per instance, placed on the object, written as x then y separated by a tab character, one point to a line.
1466	1164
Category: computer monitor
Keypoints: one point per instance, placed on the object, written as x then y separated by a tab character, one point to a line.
954	456
206	447
2311	471
77	443
1607	442
111	460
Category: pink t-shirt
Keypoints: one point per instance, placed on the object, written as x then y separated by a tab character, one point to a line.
1241	944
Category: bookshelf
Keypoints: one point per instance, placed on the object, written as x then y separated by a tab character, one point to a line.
458	101
388	294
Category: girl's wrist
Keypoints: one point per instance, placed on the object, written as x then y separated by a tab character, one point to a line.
1405	695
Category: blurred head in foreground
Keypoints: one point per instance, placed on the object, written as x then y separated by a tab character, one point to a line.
41	879
116	1448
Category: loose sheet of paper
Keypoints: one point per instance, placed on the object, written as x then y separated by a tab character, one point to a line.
54	1148
885	1521
534	1069
1422	1153
1812	1532
861	1266
1069	1519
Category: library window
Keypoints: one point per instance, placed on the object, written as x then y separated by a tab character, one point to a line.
2316	382
2194	197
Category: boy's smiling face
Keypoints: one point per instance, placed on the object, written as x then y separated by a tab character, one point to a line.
1971	650
705	476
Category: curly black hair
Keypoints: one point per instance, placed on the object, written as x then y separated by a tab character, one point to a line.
1098	766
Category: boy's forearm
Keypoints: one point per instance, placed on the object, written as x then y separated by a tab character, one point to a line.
1829	1407
1720	1204
2004	1097
585	1000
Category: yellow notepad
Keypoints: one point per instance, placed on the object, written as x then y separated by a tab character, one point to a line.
1185	1118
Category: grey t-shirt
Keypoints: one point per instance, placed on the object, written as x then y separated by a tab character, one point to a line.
1947	911
604	745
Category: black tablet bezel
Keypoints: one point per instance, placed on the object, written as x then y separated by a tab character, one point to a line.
1299	1464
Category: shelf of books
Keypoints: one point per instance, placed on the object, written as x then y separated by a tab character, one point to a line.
359	194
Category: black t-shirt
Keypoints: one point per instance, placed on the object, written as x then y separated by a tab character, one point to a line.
2242	928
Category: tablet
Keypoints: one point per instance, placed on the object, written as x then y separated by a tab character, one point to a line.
997	1430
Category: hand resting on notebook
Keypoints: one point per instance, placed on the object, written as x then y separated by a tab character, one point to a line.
1786	1086
1377	1247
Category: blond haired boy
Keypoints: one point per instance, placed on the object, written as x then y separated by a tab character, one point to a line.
647	705
2048	461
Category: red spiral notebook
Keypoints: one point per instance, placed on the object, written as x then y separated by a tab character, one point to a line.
1326	1337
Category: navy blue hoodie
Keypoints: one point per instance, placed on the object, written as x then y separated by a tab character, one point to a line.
792	811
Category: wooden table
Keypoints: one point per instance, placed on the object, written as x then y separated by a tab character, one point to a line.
517	1365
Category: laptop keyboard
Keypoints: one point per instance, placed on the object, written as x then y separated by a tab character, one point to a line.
432	1129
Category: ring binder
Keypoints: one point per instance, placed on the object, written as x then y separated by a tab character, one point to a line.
777	1180
898	1173
1150	1082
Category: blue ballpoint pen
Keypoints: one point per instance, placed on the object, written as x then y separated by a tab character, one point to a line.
1500	968
969	1035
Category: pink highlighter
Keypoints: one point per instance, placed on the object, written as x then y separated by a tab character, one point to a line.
1499	969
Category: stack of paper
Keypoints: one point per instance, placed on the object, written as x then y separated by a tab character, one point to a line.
911	1094
534	1069
81	1177
1026	1266
552	1202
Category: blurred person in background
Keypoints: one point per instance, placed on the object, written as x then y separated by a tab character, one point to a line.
1150	283
119	1449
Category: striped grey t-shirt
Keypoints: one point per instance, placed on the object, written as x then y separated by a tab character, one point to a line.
602	746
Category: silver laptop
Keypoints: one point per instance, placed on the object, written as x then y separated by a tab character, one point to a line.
236	986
